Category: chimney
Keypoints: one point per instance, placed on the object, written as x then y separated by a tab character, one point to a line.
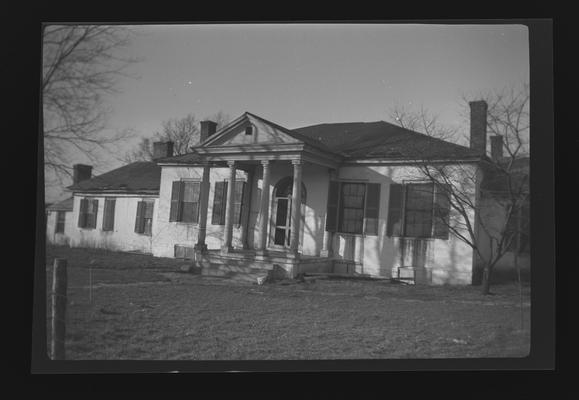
208	128
162	150
478	126
496	147
81	172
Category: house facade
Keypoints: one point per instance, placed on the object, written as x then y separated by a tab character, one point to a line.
343	198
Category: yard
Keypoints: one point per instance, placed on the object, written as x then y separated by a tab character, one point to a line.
131	306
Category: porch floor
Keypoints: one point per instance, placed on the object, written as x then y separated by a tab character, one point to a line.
248	261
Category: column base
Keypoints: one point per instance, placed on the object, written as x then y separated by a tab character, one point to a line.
326	253
261	252
226	249
201	248
293	254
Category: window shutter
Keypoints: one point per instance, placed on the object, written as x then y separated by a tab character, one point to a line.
441	212
82	213
332	208
175	200
218	216
395	204
147	224
109	215
95	209
139	221
238	202
372	209
148	208
196	198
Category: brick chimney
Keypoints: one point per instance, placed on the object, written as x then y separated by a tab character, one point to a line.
478	126
208	128
81	172
496	147
162	149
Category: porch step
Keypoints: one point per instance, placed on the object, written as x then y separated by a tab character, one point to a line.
242	274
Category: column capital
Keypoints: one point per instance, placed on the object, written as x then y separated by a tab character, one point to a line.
298	162
265	163
231	163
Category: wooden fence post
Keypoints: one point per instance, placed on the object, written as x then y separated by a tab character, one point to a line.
58	323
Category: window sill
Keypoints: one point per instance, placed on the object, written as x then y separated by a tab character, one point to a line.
183	223
416	238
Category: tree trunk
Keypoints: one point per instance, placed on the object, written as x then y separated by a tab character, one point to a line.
486	283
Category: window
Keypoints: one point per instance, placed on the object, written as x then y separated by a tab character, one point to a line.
353	207
418	210
144	220
185	201
109	215
249	130
87	215
518	227
220	203
60	218
351	214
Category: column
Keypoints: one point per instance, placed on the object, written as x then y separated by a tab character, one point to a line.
228	229
359	254
327	244
203	203
296	207
264	208
246	217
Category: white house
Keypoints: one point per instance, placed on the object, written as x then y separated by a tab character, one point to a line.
338	197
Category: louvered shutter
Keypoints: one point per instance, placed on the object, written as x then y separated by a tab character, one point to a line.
109	215
372	209
174	213
441	212
332	207
238	202
196	198
82	213
95	209
147	217
395	204
218	216
139	220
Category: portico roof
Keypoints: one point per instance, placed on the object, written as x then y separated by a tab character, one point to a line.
265	141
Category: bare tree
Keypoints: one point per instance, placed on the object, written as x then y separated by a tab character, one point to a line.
81	64
183	132
421	121
485	200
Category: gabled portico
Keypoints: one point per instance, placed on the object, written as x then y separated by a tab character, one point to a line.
259	147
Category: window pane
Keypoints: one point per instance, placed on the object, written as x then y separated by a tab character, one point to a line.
418	223
279	237
281	215
149	209
148	225
191	191
189	212
419	210
352	207
420	196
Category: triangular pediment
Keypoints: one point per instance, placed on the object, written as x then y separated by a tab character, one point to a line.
261	132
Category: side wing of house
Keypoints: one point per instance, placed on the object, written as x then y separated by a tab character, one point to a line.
114	221
384	223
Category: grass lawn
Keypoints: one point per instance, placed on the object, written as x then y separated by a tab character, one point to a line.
141	307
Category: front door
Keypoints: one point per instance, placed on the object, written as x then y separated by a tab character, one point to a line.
282	221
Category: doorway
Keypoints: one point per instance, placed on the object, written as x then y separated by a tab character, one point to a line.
282	206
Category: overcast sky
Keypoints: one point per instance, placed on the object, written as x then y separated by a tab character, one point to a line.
303	74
